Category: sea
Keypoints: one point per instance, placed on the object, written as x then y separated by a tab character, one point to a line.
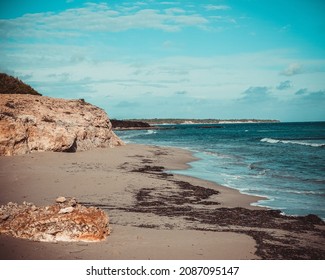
283	162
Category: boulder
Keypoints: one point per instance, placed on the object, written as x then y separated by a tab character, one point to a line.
61	199
57	222
31	123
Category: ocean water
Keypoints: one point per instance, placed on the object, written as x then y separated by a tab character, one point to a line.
284	162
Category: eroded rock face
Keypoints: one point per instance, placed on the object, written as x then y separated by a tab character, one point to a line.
31	123
63	221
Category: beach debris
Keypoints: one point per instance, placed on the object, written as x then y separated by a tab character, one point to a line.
58	222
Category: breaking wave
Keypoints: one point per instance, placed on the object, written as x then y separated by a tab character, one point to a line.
151	131
295	142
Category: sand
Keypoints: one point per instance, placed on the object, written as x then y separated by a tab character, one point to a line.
153	214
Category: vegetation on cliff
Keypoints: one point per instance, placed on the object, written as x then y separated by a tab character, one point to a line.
12	85
129	124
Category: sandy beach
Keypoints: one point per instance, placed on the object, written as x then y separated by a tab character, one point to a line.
153	214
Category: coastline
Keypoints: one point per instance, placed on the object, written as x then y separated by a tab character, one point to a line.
256	159
151	211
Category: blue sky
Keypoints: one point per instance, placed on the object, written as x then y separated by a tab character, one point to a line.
172	59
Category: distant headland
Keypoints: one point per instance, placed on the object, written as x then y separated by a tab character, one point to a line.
202	121
141	124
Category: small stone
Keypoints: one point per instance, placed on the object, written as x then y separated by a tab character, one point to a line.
4	217
33	208
73	202
61	199
28	204
66	210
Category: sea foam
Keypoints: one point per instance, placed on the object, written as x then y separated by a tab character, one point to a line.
296	142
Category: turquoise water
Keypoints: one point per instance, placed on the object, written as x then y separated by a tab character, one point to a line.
284	162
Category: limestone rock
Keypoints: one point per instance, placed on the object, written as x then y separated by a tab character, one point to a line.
30	123
61	199
66	210
58	222
72	202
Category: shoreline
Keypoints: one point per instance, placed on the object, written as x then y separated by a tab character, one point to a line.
151	210
251	198
260	198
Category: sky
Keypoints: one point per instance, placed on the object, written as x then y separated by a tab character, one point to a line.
223	59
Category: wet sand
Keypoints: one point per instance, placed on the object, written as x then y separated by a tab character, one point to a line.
153	213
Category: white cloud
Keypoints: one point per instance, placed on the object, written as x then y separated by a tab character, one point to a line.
97	17
223	19
216	7
292	69
169	3
140	3
175	11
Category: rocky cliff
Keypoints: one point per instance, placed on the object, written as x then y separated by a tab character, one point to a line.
30	123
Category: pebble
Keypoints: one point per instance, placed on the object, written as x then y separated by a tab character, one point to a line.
73	202
66	210
61	199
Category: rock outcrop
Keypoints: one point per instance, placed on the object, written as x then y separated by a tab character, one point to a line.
66	220
119	124
30	123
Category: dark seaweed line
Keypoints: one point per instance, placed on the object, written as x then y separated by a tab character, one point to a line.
178	204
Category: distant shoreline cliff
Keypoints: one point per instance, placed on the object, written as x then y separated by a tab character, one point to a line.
144	124
201	121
